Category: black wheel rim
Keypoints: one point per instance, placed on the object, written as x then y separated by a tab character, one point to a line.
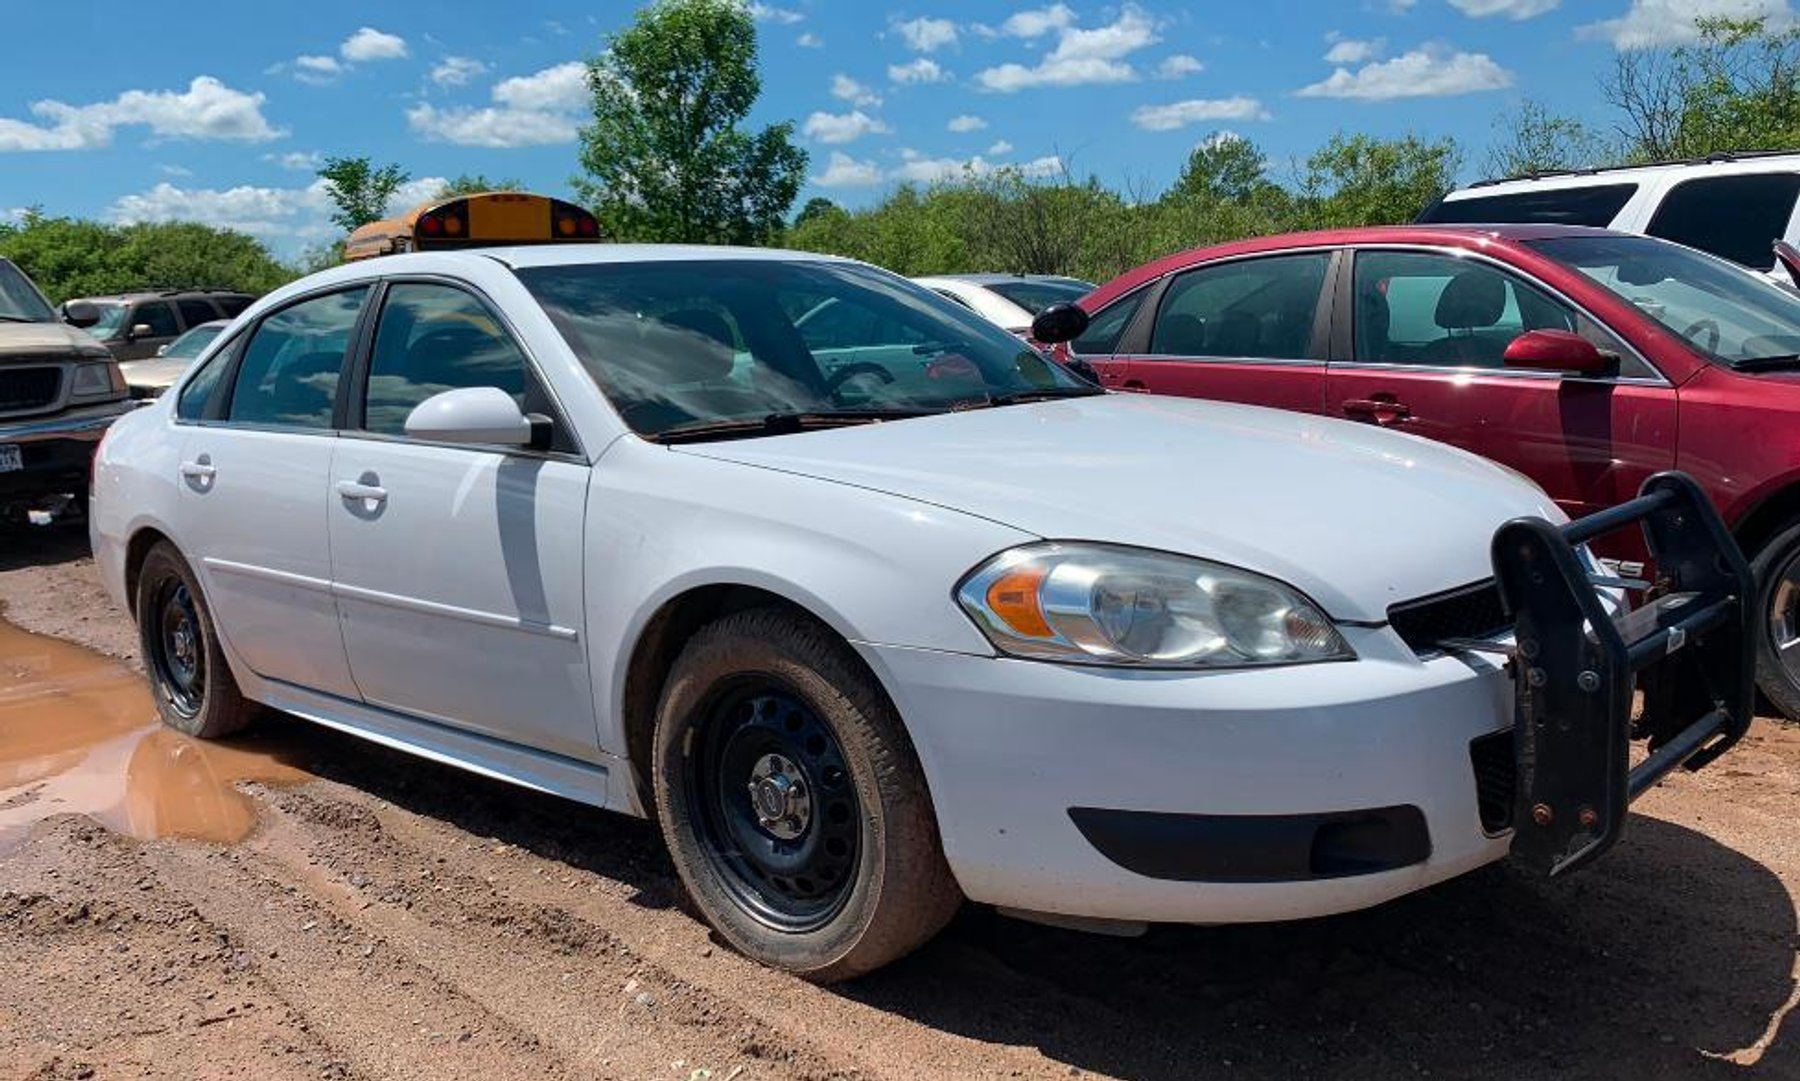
177	650
1784	618
771	794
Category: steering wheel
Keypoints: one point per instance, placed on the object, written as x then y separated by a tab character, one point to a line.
836	380
1710	328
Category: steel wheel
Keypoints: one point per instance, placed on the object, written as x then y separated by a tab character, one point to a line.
177	648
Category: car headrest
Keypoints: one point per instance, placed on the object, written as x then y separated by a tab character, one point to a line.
1373	320
1474	298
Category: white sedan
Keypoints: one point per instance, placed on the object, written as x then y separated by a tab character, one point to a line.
605	522
1009	301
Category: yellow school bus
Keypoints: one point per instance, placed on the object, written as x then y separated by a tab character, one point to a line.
482	220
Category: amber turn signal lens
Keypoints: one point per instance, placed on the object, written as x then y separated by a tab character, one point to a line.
1014	599
453	226
565	226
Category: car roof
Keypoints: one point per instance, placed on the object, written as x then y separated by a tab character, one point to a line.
604	252
1757	161
1456	236
163	294
996	278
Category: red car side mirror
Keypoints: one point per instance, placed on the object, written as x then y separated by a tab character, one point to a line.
1788	258
1558	351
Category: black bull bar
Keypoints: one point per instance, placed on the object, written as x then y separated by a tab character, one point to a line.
1576	666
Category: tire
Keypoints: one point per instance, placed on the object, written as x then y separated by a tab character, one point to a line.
189	677
848	873
1777	569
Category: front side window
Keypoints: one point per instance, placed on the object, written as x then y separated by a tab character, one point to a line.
20	302
1737	217
684	344
434	338
1260	308
1722	310
1419	308
290	370
157	316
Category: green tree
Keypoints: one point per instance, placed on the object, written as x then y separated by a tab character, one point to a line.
1225	168
816	206
665	158
1535	140
70	257
475	183
1362	180
359	190
1736	88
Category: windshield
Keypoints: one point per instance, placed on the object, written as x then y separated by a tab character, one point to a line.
112	317
19	299
1721	309
1036	294
189	345
680	343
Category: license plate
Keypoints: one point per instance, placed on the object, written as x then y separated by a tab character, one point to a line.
11	459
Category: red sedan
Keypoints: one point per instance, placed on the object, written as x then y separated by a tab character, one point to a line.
1585	359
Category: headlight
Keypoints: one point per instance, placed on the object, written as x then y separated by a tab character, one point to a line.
1101	604
96	380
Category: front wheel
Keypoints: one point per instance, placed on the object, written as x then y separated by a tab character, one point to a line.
792	801
1777	568
193	688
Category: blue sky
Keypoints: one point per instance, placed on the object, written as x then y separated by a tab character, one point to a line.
219	113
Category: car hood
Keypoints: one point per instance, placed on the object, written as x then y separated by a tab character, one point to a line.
35	340
1355	517
156	373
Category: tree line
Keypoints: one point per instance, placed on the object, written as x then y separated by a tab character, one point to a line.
670	157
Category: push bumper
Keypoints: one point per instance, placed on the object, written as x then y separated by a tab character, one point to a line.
56	450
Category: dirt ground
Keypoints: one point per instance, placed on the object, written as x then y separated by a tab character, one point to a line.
391	918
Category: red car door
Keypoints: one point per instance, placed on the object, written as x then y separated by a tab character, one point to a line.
1421	352
1248	330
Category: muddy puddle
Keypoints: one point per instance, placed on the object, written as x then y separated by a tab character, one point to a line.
79	735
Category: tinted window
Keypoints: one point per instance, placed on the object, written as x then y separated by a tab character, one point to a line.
290	369
1416	308
1104	330
1036	294
195	311
1738	217
1251	308
1596	205
156	315
198	390
232	305
434	338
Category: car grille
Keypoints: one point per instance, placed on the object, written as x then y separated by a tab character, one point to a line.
1474	611
1496	779
26	389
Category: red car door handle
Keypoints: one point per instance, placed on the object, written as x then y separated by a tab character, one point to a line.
1377	410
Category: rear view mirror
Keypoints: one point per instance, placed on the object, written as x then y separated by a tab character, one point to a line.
1788	258
486	415
79	313
1558	351
1059	323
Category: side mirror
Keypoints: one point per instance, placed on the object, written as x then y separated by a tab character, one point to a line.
1558	351
1082	368
1788	258
1059	323
162	350
138	330
486	415
79	313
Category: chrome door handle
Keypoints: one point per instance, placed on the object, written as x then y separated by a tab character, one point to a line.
353	490
197	470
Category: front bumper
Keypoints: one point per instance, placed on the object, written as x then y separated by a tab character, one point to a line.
1275	793
56	450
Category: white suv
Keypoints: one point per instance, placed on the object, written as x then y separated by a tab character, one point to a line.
1732	205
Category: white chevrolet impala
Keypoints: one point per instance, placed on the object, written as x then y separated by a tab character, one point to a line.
870	606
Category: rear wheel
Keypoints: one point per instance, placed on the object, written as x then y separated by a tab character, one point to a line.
189	679
1777	567
792	801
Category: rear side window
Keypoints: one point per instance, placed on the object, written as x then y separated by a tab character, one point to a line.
435	338
1595	205
195	311
1102	335
1737	217
1259	308
291	365
156	315
231	306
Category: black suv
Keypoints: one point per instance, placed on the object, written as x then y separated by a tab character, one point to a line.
59	390
134	325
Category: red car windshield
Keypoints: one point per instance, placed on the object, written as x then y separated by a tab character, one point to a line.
1722	310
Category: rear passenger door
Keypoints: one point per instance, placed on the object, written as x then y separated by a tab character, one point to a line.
1251	330
458	569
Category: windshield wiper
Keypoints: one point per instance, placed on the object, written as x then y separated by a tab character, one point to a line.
778	424
1041	394
1767	364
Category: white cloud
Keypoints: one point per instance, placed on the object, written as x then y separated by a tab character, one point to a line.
770	14
1648	24
1001	146
531	110
921	70
1081	57
317	69
1180	114
1179	66
1038	22
966	123
1511	9
810	40
847	89
207	109
1354	50
269	212
844	171
1422	73
927	35
297	160
457	70
369	43
842	127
